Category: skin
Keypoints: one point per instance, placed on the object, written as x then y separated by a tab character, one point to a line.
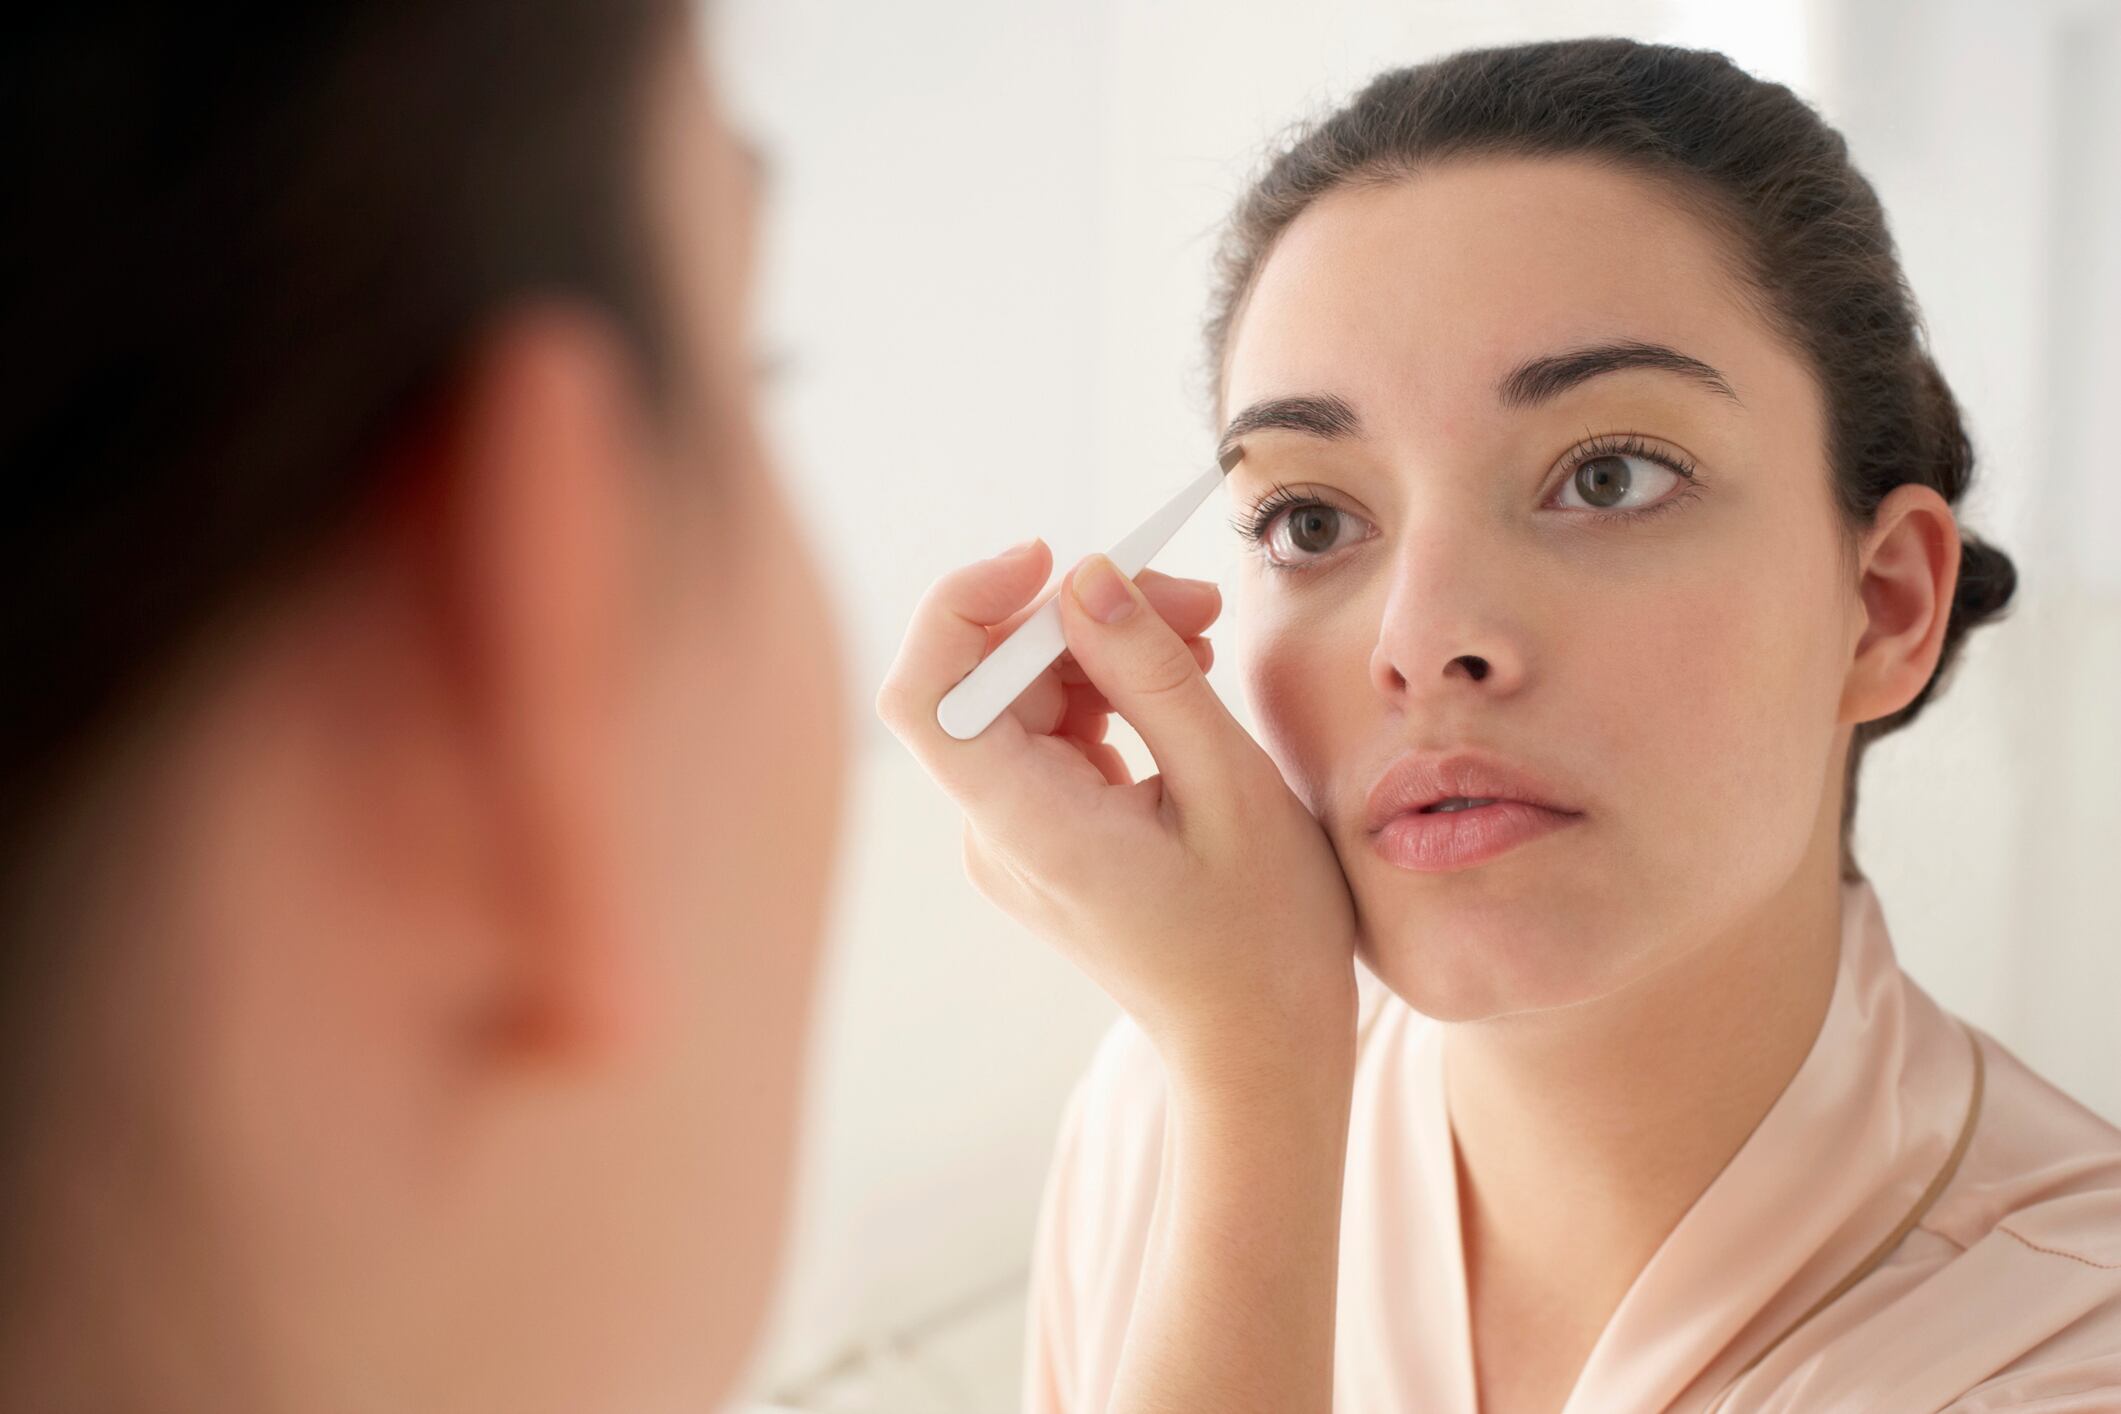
440	1049
1625	997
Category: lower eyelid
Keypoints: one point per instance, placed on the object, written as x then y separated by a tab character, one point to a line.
1686	492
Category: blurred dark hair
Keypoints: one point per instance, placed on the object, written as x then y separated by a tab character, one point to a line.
243	247
1751	157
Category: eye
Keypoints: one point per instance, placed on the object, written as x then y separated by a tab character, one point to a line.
1305	532
1291	531
1622	477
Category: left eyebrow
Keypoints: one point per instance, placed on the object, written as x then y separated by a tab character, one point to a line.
1537	380
1315	415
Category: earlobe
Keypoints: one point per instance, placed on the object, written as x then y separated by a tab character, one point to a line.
1910	560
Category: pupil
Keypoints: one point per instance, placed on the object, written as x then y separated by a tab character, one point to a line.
1312	529
1603	480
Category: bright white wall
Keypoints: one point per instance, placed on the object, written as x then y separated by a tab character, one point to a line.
1993	827
989	232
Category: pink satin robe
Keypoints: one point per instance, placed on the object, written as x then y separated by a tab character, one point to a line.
1919	1223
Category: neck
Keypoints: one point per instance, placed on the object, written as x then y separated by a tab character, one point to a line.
1628	1107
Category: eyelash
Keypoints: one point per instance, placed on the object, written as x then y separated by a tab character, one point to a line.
1255	523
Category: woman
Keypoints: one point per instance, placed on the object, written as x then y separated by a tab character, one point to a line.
1600	491
394	1020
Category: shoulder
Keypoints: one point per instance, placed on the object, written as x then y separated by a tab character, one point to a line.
2043	1170
1122	1087
1111	1131
2037	1210
1093	1224
2009	1295
1106	1162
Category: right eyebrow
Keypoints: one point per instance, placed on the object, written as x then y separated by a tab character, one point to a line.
1537	380
1316	414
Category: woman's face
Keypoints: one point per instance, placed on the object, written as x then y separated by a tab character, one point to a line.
1676	676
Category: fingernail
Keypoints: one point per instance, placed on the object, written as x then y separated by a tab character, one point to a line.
1101	592
1018	548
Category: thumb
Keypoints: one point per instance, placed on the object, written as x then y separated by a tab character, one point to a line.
1148	674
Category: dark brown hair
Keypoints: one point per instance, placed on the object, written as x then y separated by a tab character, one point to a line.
1805	226
242	245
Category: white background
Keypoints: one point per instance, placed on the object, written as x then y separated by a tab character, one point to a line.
988	238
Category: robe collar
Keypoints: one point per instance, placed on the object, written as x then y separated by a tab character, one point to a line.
1861	1141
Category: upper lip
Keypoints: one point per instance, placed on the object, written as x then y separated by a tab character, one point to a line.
1423	778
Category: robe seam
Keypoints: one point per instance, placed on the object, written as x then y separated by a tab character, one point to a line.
2057	1251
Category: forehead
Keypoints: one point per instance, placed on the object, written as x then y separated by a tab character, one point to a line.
1415	295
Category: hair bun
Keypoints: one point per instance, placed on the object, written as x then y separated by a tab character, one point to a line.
1987	579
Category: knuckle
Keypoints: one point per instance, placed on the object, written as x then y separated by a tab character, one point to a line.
1170	671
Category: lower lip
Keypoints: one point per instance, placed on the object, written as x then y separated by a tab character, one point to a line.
1440	842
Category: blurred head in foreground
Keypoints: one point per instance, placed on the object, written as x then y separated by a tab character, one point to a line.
409	910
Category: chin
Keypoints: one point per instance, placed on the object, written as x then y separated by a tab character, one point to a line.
1476	961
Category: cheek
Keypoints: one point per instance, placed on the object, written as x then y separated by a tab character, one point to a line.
1713	706
1306	677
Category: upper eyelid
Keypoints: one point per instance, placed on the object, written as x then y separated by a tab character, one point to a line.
1283	498
1653	448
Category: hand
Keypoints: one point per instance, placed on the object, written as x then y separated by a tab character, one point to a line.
1205	898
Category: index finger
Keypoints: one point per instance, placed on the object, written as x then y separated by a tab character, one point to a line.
947	637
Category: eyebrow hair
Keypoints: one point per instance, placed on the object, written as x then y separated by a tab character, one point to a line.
1537	380
1317	414
1530	383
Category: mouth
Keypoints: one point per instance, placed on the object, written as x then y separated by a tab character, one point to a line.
1456	803
1438	812
1463	832
1467	781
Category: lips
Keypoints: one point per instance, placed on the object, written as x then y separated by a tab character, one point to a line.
1421	779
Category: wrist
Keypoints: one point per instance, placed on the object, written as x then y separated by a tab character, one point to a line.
1304	1047
1270	1081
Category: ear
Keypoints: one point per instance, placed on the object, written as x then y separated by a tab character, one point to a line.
524	532
1910	570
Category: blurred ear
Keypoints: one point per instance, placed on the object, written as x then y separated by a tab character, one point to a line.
1910	561
522	537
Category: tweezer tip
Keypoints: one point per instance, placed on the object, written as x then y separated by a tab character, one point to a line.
1229	459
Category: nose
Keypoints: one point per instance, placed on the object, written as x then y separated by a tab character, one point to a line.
1448	630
